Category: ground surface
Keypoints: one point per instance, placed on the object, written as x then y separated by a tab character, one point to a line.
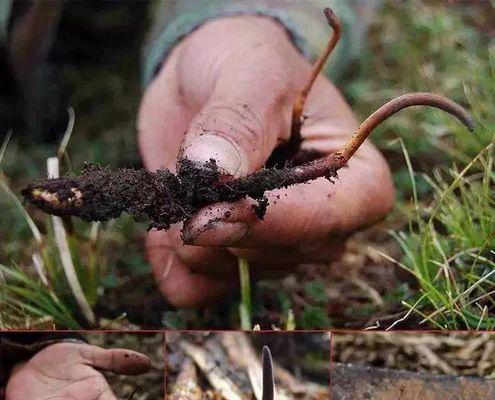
461	353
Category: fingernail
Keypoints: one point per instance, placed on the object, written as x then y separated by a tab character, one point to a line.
216	234
211	145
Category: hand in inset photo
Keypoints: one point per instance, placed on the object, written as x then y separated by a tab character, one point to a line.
47	366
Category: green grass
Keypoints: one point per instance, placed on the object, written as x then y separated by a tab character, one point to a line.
245	306
449	247
449	244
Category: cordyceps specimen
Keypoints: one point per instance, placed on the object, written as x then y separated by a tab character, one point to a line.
100	193
268	381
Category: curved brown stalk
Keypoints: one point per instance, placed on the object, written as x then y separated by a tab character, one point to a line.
298	108
328	166
268	382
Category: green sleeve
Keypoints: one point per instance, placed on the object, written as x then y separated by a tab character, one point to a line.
304	20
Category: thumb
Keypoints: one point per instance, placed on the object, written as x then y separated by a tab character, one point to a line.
246	114
119	361
233	132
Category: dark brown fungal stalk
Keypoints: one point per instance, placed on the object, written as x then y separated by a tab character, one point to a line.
297	117
268	380
329	165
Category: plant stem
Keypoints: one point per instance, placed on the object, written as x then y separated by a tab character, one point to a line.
245	305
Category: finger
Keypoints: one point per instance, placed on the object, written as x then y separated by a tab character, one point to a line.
181	286
119	361
302	214
214	262
248	106
272	258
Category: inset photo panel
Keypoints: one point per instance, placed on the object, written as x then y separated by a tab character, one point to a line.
410	365
82	365
257	365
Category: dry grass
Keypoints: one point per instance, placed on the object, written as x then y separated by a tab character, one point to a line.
451	353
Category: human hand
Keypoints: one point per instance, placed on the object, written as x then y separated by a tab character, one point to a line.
70	371
226	92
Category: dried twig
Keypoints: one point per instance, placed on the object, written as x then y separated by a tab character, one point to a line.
217	378
241	352
459	353
186	386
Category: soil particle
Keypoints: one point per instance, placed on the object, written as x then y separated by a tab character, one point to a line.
260	207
